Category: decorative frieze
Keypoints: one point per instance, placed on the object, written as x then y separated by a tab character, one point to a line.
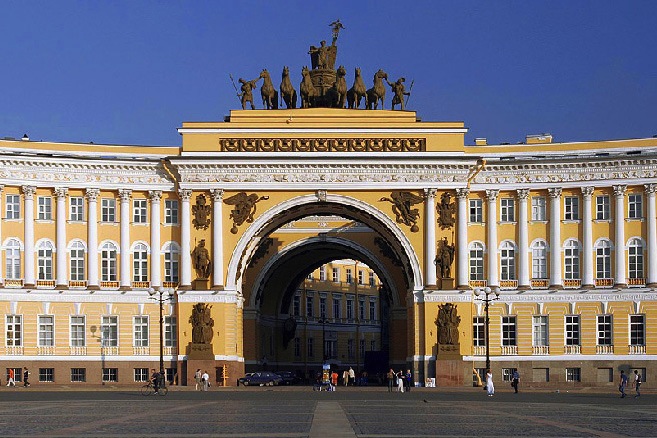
322	144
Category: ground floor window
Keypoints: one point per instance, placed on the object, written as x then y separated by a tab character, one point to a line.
18	374
141	374
46	374
110	374
507	374
605	375
78	374
171	375
573	374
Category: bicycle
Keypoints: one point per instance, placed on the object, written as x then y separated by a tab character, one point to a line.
149	389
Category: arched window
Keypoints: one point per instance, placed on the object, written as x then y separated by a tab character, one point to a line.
77	261
44	260
13	259
476	261
108	261
571	260
635	258
171	262
140	263
507	261
603	260
539	260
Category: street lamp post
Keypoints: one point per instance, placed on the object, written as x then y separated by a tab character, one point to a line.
159	296
487	298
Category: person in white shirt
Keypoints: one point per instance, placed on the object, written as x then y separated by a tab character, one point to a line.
205	378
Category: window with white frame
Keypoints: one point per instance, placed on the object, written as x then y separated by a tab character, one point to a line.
507	261
170	212
571	208
171	263
322	307
603	259
350	308
310	347
335	275
337	305
372	311
538	208
46	330
139	211
44	260
351	351
310	306
571	260
509	331
635	206
110	374
77	330
638	330
572	330
108	262
13	206
77	261
573	374
140	263
539	259
297	347
109	331
540	330
76	212
309	276
170	332
44	204
108	210
296	305
507	210
478	331
361	277
14	334
372	279
635	258
141	375
361	310
349	275
476	211
13	260
604	325
602	208
46	374
476	261
322	273
78	374
140	330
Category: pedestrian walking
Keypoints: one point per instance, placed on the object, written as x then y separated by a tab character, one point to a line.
345	377
637	383
490	387
26	376
205	378
197	379
400	381
334	379
10	380
391	379
352	376
622	384
515	379
407	379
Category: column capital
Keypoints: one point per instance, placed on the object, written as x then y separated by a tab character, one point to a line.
619	190
650	189
2	187
155	195
462	193
523	194
554	192
185	194
491	194
28	191
587	192
217	194
430	193
125	194
61	192
92	194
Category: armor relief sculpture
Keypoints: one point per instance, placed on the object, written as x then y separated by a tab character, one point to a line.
201	212
402	203
244	208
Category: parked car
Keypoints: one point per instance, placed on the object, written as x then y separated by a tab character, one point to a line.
261	378
289	378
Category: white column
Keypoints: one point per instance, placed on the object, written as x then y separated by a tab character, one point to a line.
92	238
61	193
619	228
28	192
491	220
2	187
652	234
125	195
556	281
217	240
156	262
430	238
587	236
462	239
185	236
523	240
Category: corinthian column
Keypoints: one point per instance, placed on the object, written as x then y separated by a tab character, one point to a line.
125	195
155	196
555	238
61	193
491	221
185	235
462	239
587	237
28	192
652	235
217	240
619	227
523	240
92	238
430	238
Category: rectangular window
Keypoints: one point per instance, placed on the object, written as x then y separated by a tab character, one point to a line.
109	331
351	351
170	330
171	266
572	330
322	273
14	326
46	374
108	210
310	347
602	208
13	206
139	211
361	277
372	279
361	310
635	206
45	208
509	331
540	330
573	374
76	208
46	330
310	276
507	210
476	211
349	275
77	262
78	374
477	262
140	326
110	374
297	347
322	307
350	309
604	330
336	308
141	375
335	275
309	306
361	347
538	208
571	208
372	311
637	330
507	374
296	305
478	331
77	331
373	345
170	211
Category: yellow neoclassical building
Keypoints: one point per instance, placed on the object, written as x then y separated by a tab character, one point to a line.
318	235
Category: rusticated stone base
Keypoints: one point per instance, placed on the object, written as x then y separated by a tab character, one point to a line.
449	365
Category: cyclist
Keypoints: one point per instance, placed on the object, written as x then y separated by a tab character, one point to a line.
155	378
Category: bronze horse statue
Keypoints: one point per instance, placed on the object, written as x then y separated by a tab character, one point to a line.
337	94
357	91
378	91
307	89
268	92
288	93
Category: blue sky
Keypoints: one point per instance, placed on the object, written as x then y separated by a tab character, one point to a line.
130	72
